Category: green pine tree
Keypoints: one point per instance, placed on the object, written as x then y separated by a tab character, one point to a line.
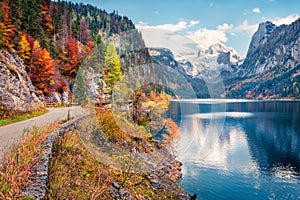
112	70
80	88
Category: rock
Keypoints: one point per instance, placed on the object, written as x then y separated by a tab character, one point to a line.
272	46
55	97
116	185
65	97
271	68
16	89
194	197
154	181
114	192
38	186
224	58
117	192
260	36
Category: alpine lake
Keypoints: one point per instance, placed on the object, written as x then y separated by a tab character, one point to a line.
239	149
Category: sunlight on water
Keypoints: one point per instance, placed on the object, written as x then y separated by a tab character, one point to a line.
221	115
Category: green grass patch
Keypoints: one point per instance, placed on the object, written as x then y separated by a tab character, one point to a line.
22	117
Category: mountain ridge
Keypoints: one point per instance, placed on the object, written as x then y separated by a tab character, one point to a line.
271	68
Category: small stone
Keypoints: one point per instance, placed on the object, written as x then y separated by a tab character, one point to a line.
123	192
116	185
154	181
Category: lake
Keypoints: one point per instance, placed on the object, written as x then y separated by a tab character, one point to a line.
239	149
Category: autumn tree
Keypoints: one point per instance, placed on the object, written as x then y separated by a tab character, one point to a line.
138	115
41	70
85	37
24	48
71	64
112	69
171	131
46	19
7	29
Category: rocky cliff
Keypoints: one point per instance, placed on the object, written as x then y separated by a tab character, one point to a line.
271	48
16	90
259	38
272	66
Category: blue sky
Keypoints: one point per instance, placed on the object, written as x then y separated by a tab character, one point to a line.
205	21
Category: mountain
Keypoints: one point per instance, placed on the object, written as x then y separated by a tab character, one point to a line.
260	37
218	58
272	65
271	68
186	69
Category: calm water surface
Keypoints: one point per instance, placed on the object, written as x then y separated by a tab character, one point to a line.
239	149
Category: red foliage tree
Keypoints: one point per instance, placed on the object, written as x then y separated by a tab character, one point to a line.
69	66
7	29
41	69
85	37
73	56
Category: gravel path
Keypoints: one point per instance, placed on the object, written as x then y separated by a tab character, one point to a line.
10	133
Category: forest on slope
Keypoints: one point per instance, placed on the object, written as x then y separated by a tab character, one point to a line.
52	38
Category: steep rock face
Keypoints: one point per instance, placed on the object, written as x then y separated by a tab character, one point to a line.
16	89
272	66
264	31
272	48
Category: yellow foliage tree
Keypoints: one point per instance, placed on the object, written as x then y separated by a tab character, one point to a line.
24	47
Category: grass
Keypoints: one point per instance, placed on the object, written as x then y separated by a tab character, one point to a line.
22	117
16	168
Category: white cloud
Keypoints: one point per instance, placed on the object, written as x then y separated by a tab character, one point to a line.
193	23
256	10
181	25
246	28
206	37
285	20
173	27
225	27
203	37
164	35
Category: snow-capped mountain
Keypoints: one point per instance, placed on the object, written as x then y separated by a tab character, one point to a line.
217	58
